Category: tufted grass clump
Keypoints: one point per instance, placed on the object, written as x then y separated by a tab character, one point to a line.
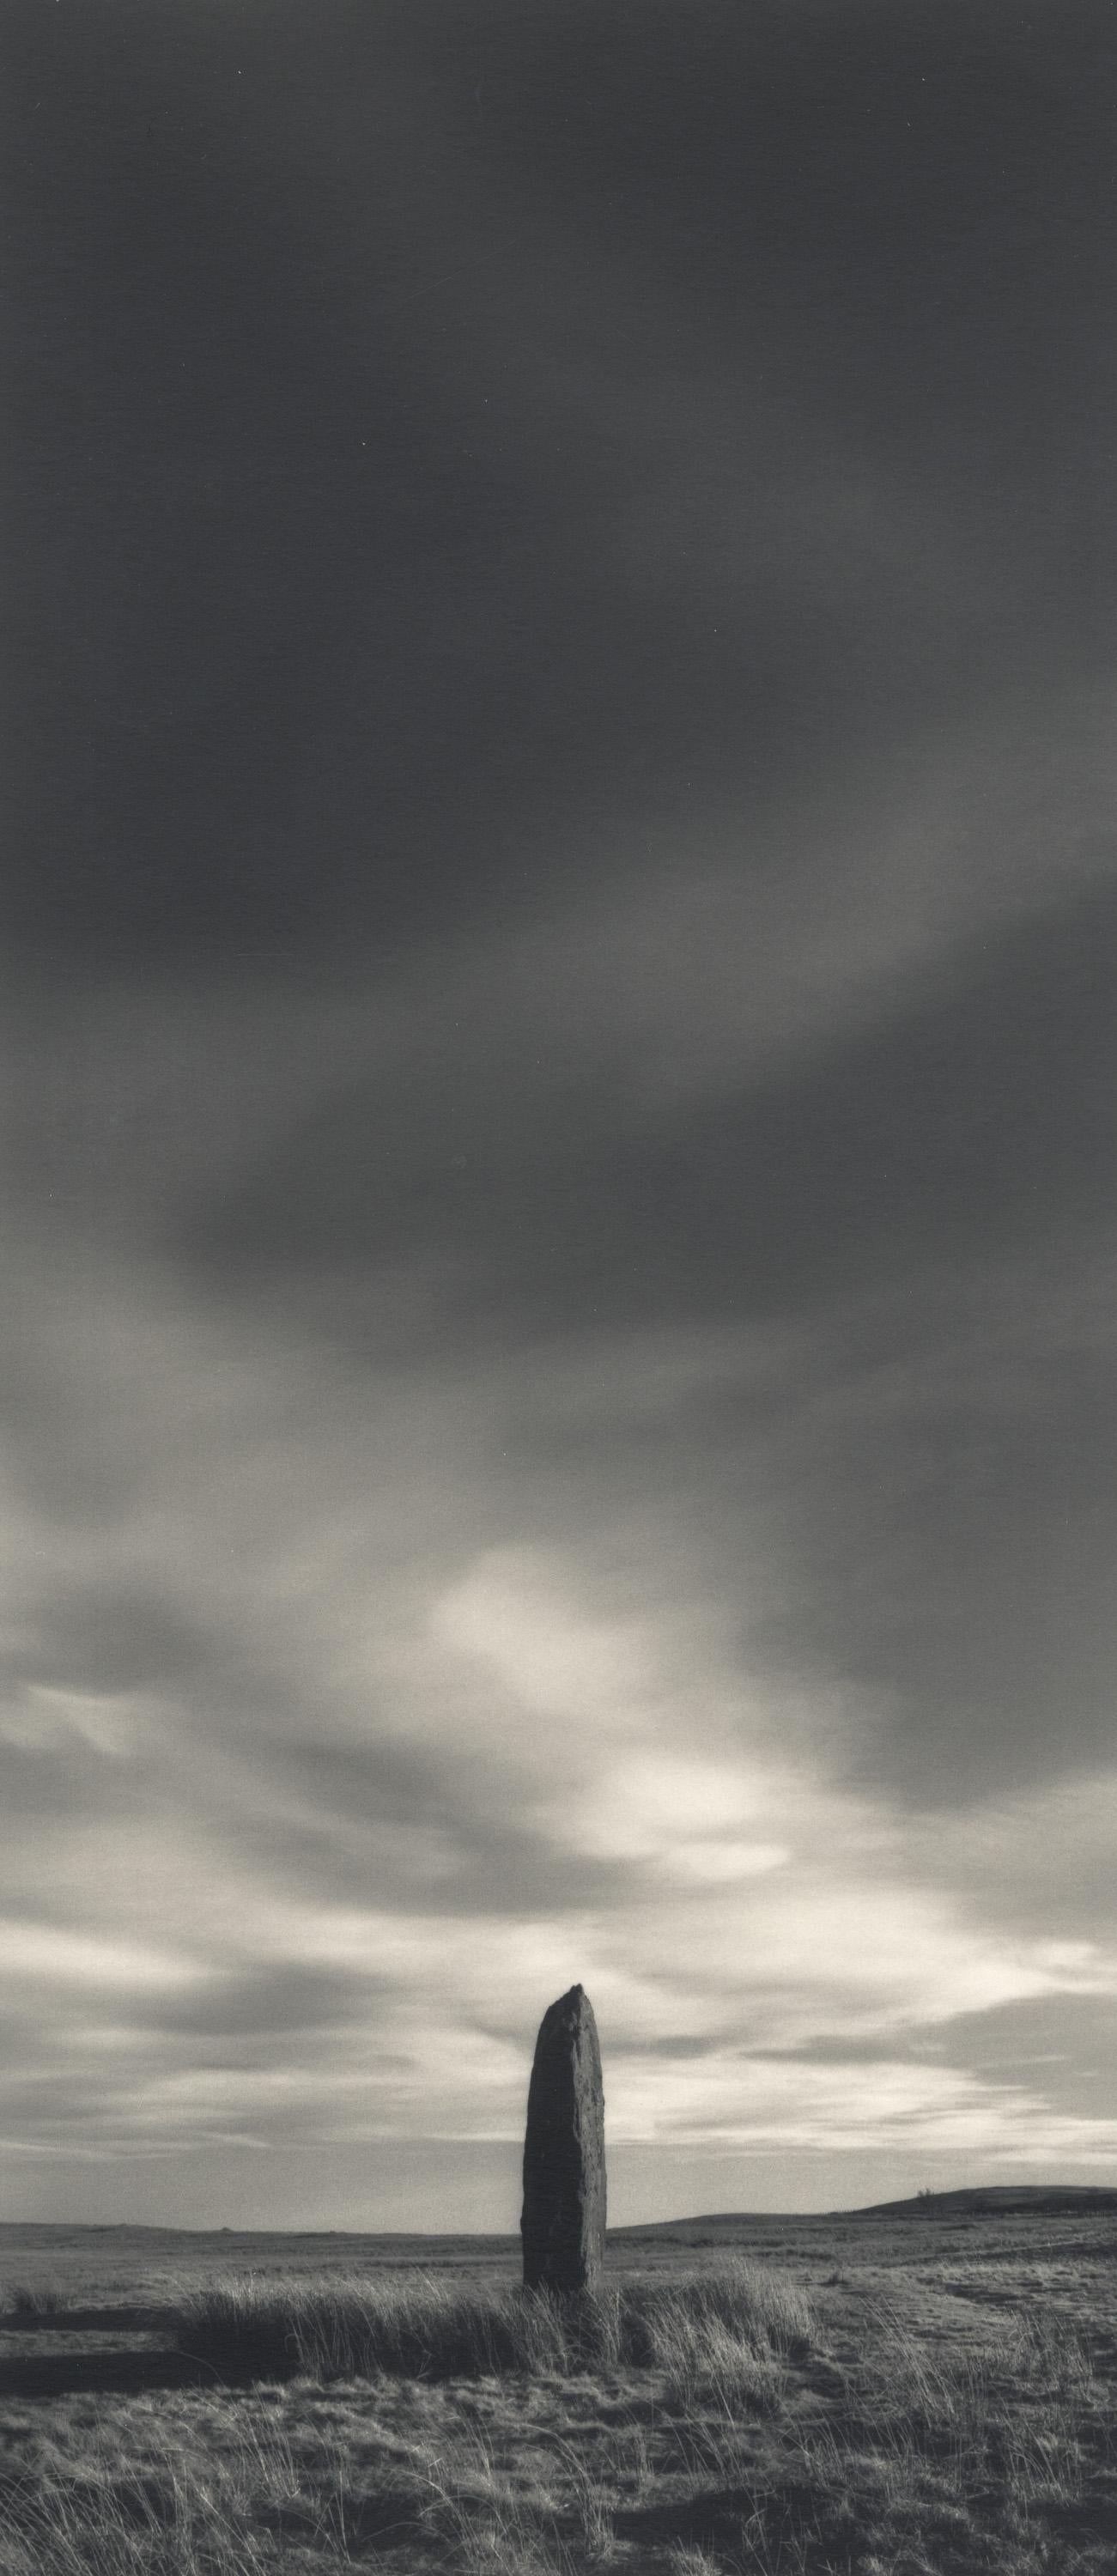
417	2328
25	2302
732	2324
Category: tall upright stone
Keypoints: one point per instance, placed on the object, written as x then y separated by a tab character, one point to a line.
563	2223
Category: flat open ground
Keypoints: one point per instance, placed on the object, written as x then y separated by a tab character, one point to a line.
875	2395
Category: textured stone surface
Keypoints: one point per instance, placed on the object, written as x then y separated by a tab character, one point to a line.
563	2223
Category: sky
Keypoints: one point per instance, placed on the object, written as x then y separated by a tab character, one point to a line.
558	1100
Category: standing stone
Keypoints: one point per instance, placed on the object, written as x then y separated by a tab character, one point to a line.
563	2224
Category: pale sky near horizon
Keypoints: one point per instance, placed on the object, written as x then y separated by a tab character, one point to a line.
558	1102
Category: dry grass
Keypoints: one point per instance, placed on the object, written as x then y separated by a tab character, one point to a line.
722	2328
25	2302
722	2422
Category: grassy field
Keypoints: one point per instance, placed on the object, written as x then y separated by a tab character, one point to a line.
876	2396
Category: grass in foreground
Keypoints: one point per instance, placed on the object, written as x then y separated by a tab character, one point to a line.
743	2318
718	2424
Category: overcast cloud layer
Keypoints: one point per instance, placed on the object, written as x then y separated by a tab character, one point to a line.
560	941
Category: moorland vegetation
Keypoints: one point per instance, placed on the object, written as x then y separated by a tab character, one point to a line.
857	2410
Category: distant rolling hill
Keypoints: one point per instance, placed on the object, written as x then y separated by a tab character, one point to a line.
993	2200
1001	2200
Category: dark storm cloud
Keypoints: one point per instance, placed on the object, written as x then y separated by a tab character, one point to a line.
493	1859
934	1470
58	2105
126	1703
412	401
844	2050
262	2004
1068	2039
954	1568
953	1550
104	1637
905	1147
914	210
70	1780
